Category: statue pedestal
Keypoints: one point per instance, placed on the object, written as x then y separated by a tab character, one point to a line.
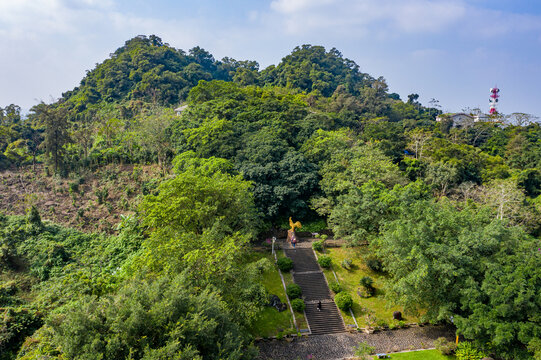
291	235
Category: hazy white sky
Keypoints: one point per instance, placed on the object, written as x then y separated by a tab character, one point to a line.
453	51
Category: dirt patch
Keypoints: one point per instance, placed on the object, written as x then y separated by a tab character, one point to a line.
92	201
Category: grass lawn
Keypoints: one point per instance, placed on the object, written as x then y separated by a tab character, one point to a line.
421	355
349	280
270	321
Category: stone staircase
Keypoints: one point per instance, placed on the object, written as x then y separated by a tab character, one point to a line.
326	321
308	275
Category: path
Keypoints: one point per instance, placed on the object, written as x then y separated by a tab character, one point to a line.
308	275
340	346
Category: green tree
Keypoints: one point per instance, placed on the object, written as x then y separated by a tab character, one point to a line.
198	221
462	263
360	214
56	135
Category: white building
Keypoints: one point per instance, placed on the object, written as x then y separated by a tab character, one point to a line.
180	109
459	119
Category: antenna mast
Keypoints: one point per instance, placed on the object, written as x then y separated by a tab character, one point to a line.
494	95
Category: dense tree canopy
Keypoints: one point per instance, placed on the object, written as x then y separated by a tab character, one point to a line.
451	210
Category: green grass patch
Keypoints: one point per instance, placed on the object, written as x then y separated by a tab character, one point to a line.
270	321
421	355
349	280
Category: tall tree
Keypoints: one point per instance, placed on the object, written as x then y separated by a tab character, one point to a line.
55	121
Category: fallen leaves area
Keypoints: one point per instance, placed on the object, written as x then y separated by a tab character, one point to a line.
92	201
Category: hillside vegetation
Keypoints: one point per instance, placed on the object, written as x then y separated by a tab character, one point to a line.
125	226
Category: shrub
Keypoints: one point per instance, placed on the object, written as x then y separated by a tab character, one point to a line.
285	264
298	305
324	261
335	287
444	346
317	245
73	187
468	351
293	291
382	323
401	324
343	300
102	195
314	226
374	265
363	350
33	218
346	264
368	283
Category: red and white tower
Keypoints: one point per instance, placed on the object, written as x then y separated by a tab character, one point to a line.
494	95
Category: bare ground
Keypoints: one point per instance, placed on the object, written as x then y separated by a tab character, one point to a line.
22	188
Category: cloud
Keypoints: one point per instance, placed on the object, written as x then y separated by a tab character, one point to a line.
295	6
388	15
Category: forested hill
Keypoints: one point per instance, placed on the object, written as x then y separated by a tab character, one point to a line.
148	69
127	229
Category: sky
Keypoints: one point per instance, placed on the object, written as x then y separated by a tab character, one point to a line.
452	51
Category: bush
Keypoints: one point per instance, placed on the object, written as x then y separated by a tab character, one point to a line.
444	346
285	264
73	187
293	291
363	350
343	300
382	323
368	283
324	261
314	226
317	245
374	265
102	195
467	351
346	264
33	217
335	287
298	305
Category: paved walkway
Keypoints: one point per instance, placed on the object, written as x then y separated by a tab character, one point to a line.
309	276
340	346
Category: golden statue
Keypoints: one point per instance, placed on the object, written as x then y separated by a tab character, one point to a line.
294	225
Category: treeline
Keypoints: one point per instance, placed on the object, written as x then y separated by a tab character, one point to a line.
452	212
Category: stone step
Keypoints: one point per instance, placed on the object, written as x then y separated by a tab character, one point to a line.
303	260
308	275
326	321
313	286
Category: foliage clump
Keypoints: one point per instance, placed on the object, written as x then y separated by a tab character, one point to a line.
374	264
325	261
294	291
343	300
346	264
368	284
335	287
445	346
466	350
364	351
318	245
285	264
298	305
